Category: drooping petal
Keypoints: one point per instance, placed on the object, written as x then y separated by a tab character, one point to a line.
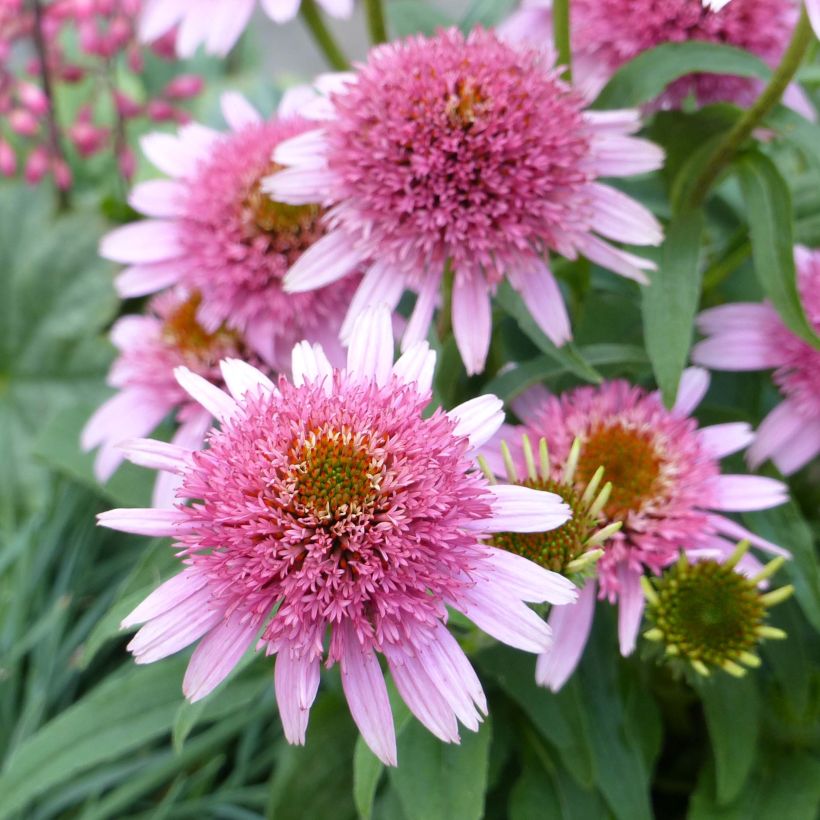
545	302
477	419
783	425
630	608
694	382
296	679
472	321
166	596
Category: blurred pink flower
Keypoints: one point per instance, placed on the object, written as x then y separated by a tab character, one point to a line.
748	336
331	504
463	151
212	230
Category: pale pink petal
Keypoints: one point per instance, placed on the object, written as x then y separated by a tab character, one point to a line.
166	596
422	314
329	259
158	197
306	150
694	382
370	354
782	426
280	11
521	509
193	31
621	262
617	121
478	419
630	608
722	440
159	17
529	403
738	350
296	99
309	364
472	321
217	402
744	316
799	101
299	186
380	285
619	217
156	455
570	630
417	365
527	580
736	532
178	155
130	330
237	111
217	654
366	694
544	301
614	155
151	240
798	451
140	280
813	10
504	618
296	679
529	25
228	23
241	377
337	8
146	521
189	436
740	493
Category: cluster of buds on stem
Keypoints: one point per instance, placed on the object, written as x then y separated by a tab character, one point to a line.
46	45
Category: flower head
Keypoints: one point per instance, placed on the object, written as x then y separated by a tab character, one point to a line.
667	488
748	336
330	507
217	24
150	347
709	615
466	153
608	33
212	230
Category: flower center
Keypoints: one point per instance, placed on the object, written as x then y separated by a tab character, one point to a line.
708	611
630	461
336	474
554	549
263	215
182	331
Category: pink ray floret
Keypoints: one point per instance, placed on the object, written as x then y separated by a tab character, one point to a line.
749	336
211	230
668	492
608	33
217	24
331	520
464	152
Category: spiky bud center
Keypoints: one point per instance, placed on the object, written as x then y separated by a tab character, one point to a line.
552	550
709	612
335	474
182	331
630	461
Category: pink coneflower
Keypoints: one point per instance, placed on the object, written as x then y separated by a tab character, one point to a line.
465	153
749	336
150	347
217	24
608	33
212	230
330	504
667	490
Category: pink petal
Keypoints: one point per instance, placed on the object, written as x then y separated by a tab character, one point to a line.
329	259
217	654
422	314
544	301
477	419
309	364
366	695
743	316
724	439
813	10
140	280
380	285
158	197
521	509
619	217
300	186
337	8
370	354
156	455
630	608
694	382
167	596
615	155
241	377
151	240
526	580
297	681
417	365
280	11
159	17
306	150
146	521
782	426
217	402
472	321
799	450
570	630
738	350
227	25
237	111
736	532
621	262
740	493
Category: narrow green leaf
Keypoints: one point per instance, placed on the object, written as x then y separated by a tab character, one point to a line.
645	77
731	708
567	356
367	772
442	781
769	207
802	134
671	300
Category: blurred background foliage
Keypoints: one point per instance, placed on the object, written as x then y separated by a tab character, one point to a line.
85	733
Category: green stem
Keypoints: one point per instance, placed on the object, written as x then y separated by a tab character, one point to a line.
561	36
728	148
322	36
444	326
374	11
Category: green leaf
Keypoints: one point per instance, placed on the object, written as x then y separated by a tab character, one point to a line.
567	356
120	715
644	78
55	297
414	17
442	781
769	205
784	525
797	130
534	795
731	707
485	13
670	302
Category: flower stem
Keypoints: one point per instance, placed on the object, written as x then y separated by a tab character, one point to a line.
444	326
322	36
54	143
727	149
374	10
561	36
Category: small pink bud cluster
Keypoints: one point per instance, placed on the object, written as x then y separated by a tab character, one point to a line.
36	138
